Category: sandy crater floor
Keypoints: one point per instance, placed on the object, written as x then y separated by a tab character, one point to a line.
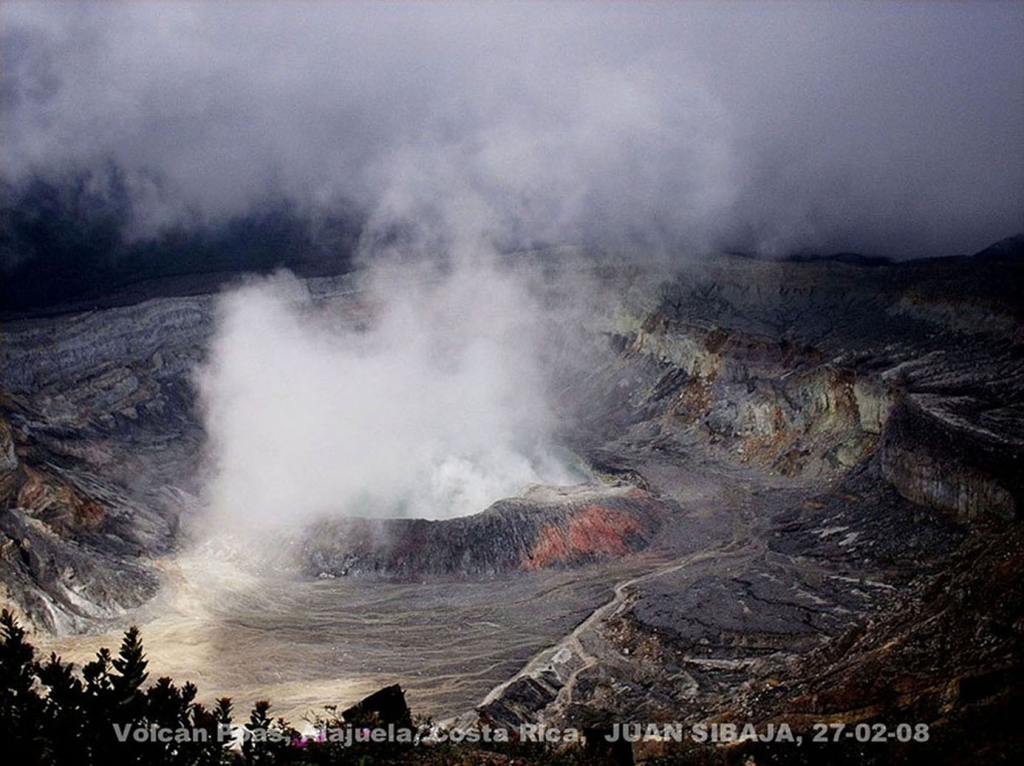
305	644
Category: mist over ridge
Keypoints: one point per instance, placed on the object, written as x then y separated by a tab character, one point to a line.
890	129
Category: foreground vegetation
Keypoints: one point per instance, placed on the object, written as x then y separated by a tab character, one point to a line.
55	714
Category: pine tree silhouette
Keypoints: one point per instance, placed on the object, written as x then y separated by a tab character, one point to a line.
20	706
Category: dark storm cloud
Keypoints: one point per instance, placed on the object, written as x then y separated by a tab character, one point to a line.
892	128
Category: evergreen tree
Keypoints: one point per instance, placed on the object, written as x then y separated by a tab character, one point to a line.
20	704
65	711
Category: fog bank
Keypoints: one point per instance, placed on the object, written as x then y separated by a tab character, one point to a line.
886	128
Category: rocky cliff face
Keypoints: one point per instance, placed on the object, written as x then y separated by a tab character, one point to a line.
865	423
545	527
8	457
99	439
938	452
797	367
104	368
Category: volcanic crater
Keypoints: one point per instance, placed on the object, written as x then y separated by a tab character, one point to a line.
797	466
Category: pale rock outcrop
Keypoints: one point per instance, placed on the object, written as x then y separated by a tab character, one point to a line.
8	458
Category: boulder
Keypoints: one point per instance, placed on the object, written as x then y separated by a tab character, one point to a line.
383	707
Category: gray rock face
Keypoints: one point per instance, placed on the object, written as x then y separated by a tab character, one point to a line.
104	367
8	458
850	418
545	527
936	452
796	367
68	585
96	426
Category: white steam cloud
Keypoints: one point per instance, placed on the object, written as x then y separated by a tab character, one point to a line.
424	392
436	408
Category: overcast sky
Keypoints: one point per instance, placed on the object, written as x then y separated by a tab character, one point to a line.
892	128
